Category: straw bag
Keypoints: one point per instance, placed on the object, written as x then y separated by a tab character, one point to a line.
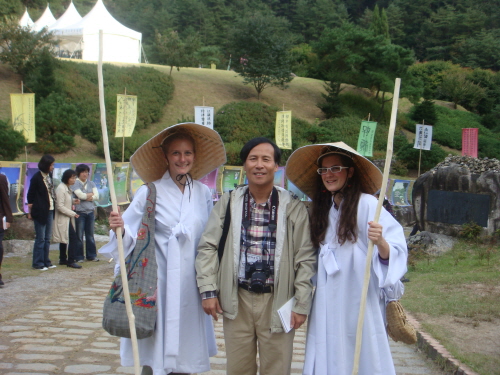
398	327
142	282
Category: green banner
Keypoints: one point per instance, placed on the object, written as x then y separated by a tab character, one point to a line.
366	136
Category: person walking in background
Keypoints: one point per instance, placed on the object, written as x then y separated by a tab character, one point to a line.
41	204
268	259
341	183
64	225
86	191
5	214
172	160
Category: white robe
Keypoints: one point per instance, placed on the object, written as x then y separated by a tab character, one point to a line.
331	335
184	337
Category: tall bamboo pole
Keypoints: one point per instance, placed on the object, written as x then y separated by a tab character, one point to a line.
123	269
369	255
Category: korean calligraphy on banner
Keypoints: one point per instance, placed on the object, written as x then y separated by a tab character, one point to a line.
284	129
366	136
204	116
126	115
469	142
423	137
23	115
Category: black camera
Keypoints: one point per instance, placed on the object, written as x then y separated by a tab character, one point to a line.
257	273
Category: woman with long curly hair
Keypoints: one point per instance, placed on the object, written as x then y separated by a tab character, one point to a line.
341	183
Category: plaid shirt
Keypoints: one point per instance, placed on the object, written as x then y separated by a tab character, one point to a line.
256	237
253	238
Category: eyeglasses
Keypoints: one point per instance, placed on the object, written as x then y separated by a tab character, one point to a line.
333	169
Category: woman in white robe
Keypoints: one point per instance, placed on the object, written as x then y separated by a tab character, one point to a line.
184	338
341	225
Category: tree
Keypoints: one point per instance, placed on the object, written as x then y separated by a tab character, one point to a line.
22	49
379	24
57	123
425	112
261	49
460	90
174	51
11	142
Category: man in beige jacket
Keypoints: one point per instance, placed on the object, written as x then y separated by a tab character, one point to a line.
268	258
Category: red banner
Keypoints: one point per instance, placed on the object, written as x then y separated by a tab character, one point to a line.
469	142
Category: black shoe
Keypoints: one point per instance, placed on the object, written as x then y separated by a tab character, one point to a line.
63	262
74	265
1	282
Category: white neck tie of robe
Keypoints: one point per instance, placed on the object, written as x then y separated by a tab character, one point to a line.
179	232
328	258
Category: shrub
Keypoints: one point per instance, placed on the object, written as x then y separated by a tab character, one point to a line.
238	122
346	129
425	111
152	87
470	231
56	124
408	155
11	142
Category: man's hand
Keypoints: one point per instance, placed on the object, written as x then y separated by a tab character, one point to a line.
7	224
212	307
297	320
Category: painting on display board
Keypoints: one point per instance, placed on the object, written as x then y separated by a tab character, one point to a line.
135	183
101	181
400	192
210	180
294	189
57	173
12	172
120	174
230	177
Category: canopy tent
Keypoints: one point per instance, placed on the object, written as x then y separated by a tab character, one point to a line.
70	17
26	20
47	19
121	44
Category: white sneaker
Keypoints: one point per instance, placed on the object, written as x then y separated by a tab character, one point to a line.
43	269
52	266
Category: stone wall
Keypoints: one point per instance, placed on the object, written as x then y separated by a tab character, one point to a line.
465	184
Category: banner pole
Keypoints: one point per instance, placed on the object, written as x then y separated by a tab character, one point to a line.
123	269
420	154
369	255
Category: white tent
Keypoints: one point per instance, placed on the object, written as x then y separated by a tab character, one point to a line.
70	17
26	20
121	44
47	19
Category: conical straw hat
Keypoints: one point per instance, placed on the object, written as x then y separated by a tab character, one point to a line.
149	162
302	165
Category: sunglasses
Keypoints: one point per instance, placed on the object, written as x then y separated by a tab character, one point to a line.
333	169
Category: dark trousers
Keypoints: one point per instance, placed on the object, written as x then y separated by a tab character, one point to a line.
85	224
2	232
70	258
43	233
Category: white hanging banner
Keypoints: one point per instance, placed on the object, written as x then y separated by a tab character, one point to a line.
423	137
204	116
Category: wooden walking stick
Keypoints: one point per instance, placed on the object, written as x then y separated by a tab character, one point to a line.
123	269
387	167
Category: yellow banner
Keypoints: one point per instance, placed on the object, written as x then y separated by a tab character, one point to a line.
23	115
126	115
284	129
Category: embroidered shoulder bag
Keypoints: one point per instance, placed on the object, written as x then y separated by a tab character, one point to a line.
142	282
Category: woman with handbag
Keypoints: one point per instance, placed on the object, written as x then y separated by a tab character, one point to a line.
183	339
341	183
64	222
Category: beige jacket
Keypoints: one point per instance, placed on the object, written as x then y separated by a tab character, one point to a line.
295	257
64	202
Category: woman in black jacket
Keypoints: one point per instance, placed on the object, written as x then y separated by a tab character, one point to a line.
41	204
